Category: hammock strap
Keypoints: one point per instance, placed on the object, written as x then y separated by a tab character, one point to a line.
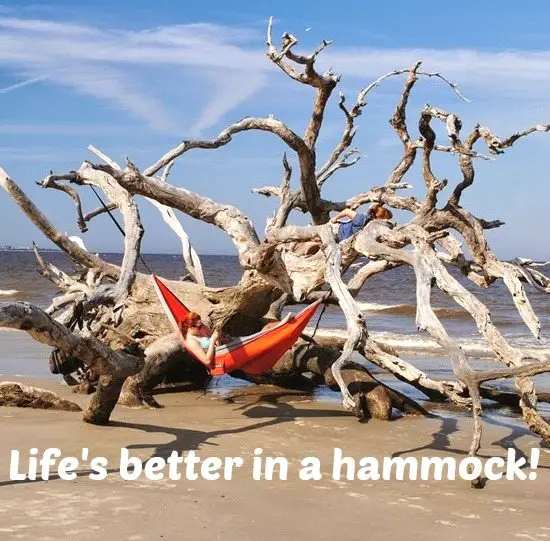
325	304
119	227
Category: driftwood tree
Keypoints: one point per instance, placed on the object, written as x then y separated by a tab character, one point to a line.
126	339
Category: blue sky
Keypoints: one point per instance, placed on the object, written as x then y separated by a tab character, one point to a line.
134	78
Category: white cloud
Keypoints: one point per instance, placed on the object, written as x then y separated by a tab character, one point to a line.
34	154
224	66
78	128
47	27
509	71
22	84
119	88
119	66
229	91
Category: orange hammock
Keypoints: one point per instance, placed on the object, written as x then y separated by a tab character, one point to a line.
255	354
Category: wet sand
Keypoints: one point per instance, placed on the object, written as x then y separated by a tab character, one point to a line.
245	509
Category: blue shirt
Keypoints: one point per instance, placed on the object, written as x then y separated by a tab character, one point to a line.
348	229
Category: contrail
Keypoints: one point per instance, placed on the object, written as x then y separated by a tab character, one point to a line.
22	84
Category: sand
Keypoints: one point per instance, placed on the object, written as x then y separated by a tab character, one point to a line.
245	509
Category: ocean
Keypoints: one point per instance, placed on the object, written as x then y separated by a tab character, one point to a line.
387	300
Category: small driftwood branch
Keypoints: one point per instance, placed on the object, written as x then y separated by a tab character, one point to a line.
73	194
433	185
14	394
133	232
100	210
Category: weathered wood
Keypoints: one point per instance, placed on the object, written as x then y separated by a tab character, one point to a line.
104	400
97	356
126	339
75	252
161	357
17	395
190	256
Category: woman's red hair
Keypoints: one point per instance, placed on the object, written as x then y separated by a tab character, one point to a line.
190	320
379	212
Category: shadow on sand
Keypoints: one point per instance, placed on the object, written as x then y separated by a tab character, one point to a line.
441	440
272	408
188	440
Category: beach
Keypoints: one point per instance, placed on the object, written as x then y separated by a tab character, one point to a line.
295	254
246	509
232	419
232	310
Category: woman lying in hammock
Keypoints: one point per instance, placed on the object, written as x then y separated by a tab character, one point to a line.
201	342
198	340
255	354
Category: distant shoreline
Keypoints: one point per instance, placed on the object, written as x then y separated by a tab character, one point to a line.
4	249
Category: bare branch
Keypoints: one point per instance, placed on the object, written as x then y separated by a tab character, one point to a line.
324	84
103	157
380	194
427	269
61	279
456	150
97	356
399	118
496	145
432	184
535	278
286	197
166	171
133	229
492	224
349	129
509	275
354	319
356	282
98	211
309	76
47	228
190	256
73	194
355	156
454	86
271	125
306	158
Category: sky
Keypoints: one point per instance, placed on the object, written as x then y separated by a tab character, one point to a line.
135	78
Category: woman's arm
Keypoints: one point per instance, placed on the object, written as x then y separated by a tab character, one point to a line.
205	357
346	213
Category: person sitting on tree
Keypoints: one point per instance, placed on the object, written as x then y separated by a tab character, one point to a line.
358	221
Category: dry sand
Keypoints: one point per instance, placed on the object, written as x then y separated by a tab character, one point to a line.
244	509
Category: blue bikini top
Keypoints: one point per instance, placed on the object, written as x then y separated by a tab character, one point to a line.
204	341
